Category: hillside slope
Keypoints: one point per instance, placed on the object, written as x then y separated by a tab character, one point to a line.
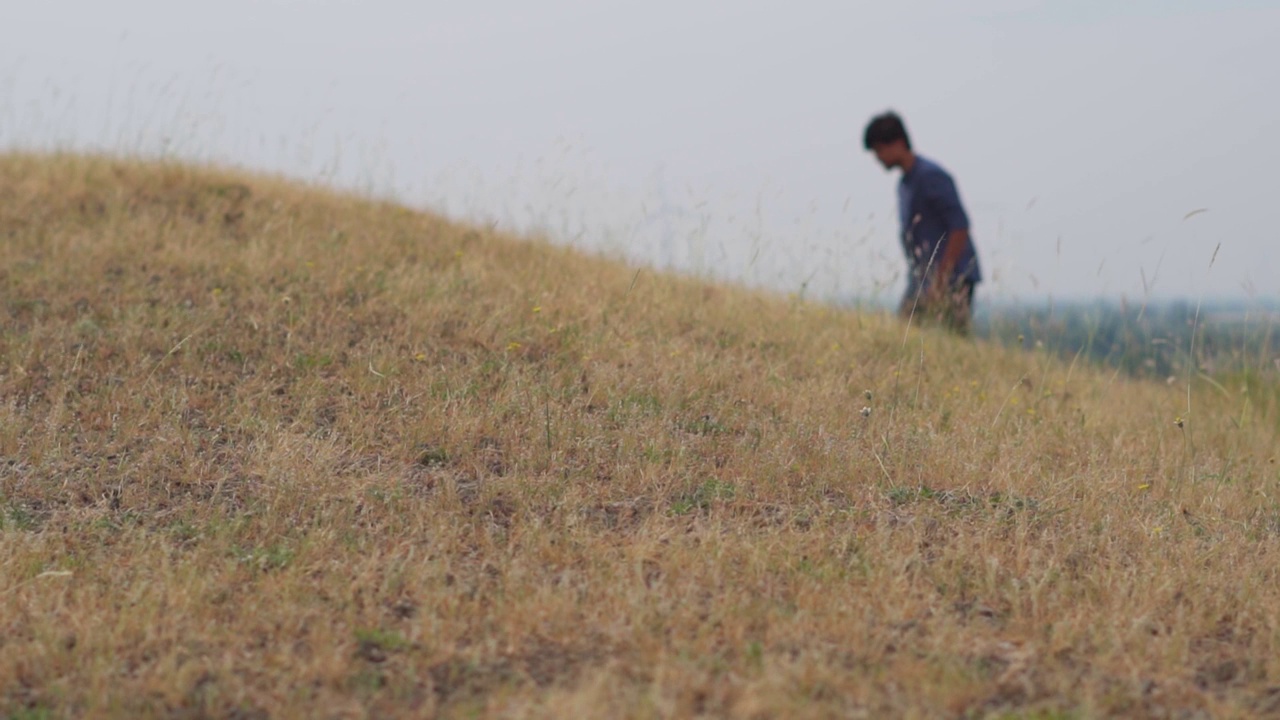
269	451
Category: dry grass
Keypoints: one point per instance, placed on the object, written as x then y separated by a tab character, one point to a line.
267	451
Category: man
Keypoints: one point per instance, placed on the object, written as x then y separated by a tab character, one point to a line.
935	230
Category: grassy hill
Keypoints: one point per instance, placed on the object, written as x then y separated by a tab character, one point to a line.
270	451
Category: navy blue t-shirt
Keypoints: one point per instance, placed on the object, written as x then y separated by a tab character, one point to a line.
929	208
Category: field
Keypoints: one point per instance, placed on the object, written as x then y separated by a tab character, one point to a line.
271	451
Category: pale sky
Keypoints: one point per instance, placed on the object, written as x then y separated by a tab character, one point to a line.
722	138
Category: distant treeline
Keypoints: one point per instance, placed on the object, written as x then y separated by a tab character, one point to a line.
1155	340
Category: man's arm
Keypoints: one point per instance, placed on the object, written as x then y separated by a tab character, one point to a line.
957	241
943	198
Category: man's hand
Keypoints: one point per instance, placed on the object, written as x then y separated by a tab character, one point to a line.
936	293
946	302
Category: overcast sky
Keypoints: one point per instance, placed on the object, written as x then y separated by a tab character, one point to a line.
722	137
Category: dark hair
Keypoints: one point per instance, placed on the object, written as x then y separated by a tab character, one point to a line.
885	128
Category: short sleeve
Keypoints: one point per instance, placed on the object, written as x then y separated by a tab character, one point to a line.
940	196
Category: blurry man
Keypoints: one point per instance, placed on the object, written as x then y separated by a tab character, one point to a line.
942	264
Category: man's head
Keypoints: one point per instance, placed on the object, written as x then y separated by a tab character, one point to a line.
886	136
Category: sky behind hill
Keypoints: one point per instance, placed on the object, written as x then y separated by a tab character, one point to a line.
720	137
